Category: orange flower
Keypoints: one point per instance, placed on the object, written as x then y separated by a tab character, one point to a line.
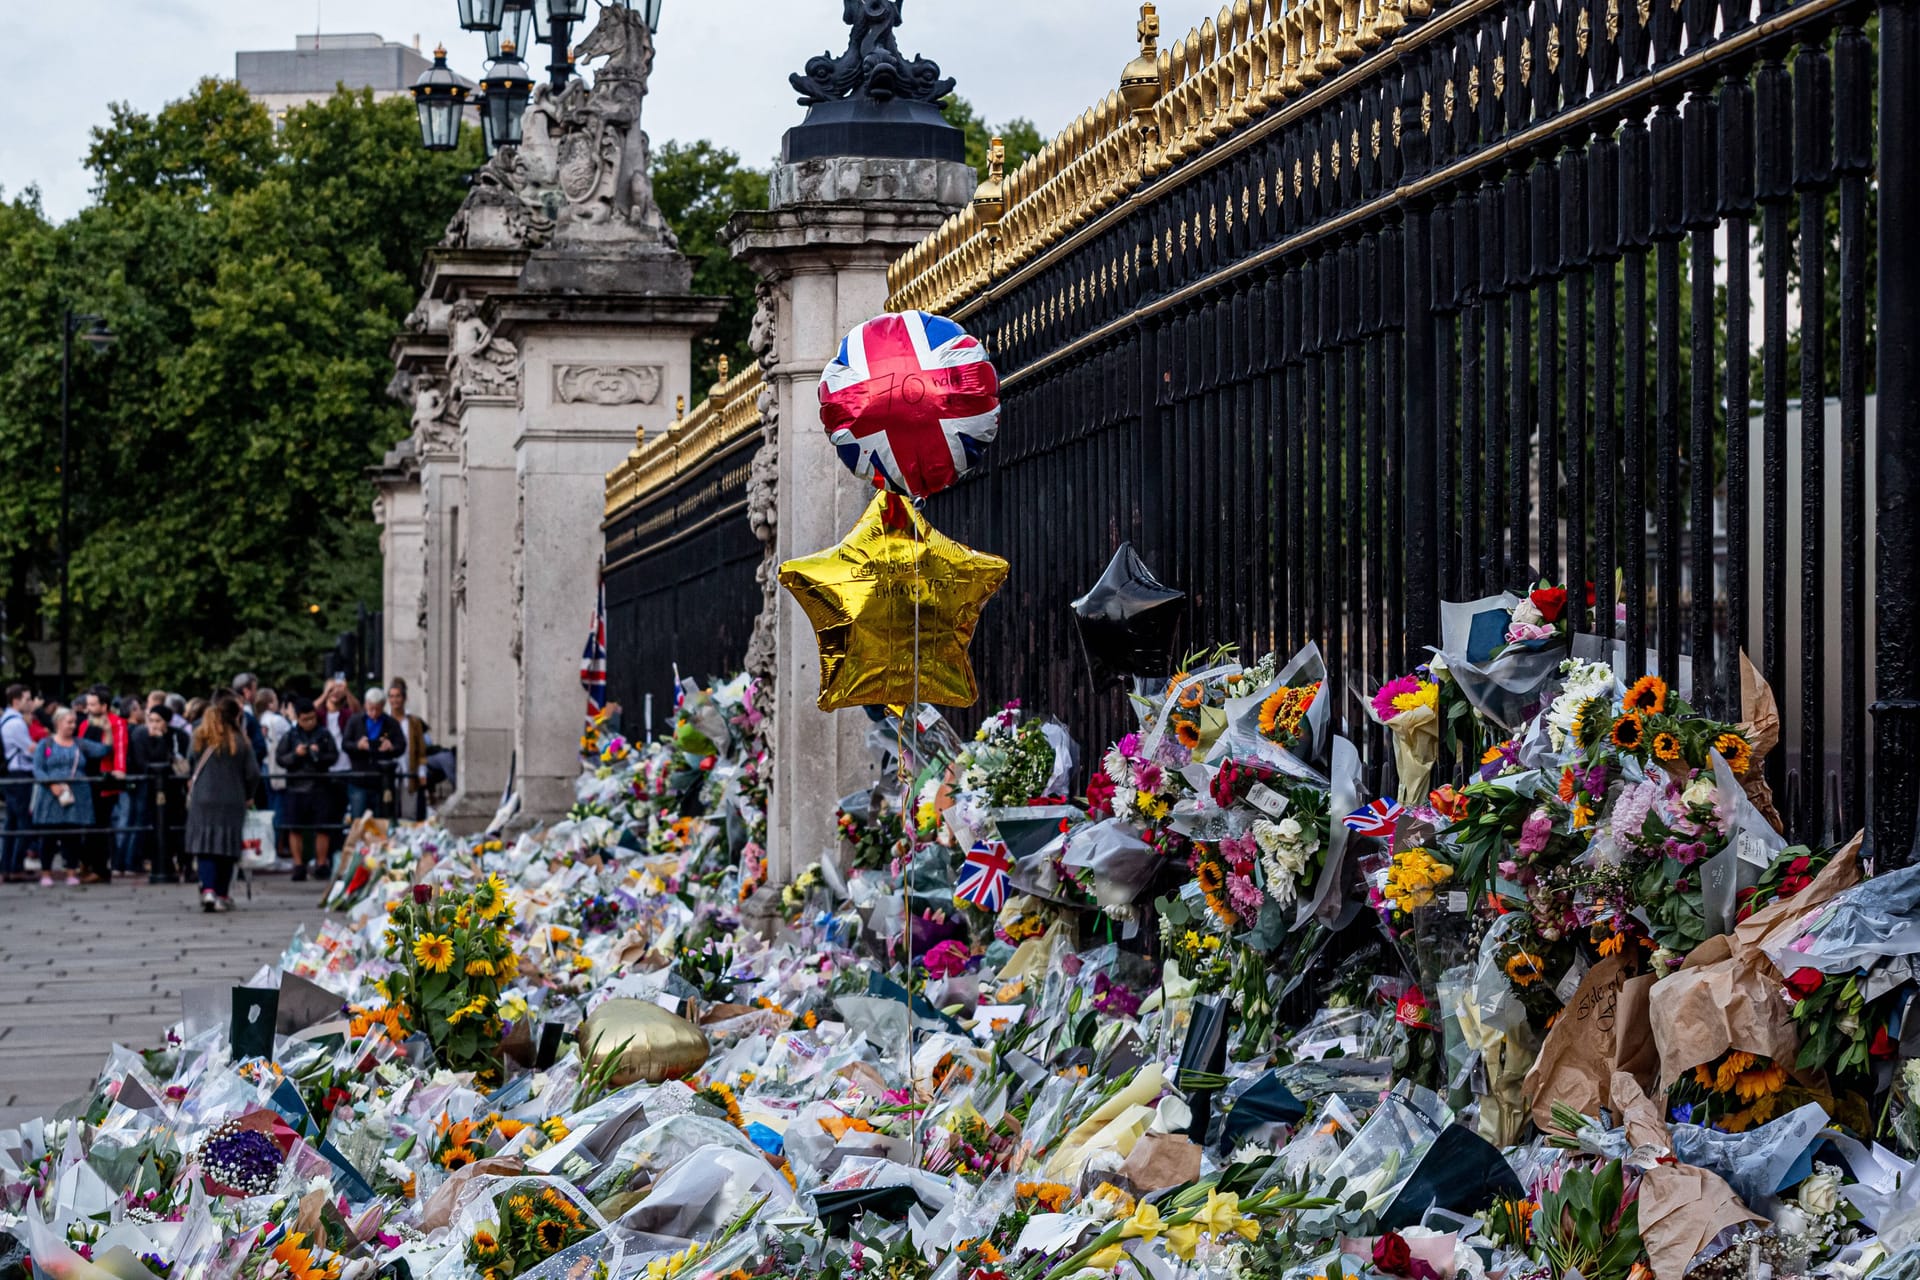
841	1126
1666	746
1448	803
1649	693
1187	733
1737	750
1760	1082
1628	732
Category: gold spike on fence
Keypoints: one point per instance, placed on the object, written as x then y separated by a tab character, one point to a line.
731	409
1177	99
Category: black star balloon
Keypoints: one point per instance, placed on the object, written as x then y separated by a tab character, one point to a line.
1127	621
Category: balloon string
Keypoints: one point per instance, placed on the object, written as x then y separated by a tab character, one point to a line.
907	808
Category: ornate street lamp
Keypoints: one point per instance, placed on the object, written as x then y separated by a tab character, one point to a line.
487	148
650	10
516	21
480	15
508	87
441	100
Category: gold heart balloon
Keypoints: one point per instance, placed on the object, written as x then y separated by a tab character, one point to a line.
891	575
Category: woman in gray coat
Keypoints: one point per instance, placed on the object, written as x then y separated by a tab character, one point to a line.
219	790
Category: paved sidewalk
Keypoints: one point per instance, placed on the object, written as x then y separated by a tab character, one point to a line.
85	968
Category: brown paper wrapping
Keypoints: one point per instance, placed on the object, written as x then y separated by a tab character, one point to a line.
1728	994
440	1206
1682	1208
1161	1160
1575	1065
1760	718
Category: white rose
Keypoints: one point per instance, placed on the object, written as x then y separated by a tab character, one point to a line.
1525	612
1820	1194
1700	791
1290	829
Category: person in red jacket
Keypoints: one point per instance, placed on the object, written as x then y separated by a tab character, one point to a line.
104	724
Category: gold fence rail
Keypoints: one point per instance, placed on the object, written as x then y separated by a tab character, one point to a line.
731	410
1172	103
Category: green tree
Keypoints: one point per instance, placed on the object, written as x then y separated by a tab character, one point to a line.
254	278
1018	135
700	186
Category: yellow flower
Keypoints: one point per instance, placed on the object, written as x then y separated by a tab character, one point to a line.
434	952
555	1128
479	968
1221	1213
1145	1224
1107	1259
1182	1239
491	897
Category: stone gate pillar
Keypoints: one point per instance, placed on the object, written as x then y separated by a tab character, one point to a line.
862	181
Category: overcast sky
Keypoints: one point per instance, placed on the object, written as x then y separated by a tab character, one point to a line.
721	72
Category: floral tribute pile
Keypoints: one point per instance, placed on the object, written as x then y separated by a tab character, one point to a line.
1544	995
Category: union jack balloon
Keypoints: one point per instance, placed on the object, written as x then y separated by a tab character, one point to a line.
910	402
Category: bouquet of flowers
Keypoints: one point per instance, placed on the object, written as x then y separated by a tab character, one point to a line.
454	956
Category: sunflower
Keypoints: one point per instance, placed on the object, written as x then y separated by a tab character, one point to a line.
1722	1078
1524	968
456	1157
1210	876
550	1234
522	1207
490	897
1737	750
479	968
1628	732
1649	693
1666	745
1588	719
1193	694
1173	685
1760	1082
484	1243
555	1128
1187	733
434	952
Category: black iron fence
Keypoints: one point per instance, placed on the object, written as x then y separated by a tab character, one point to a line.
681	558
1575	289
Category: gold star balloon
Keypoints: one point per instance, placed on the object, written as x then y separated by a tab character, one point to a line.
892	574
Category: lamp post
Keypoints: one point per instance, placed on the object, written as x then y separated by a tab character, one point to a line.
99	338
506	24
441	100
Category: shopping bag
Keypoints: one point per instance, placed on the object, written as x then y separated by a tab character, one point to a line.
257	852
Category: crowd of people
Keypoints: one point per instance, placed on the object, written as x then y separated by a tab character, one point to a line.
177	788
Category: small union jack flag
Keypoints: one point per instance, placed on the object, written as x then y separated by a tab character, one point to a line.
593	661
910	402
1377	818
983	876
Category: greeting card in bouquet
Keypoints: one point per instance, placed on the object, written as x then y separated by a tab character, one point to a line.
250	1033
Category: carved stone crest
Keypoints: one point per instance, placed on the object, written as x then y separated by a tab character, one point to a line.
606	384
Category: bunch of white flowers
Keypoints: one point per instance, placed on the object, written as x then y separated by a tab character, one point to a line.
1579	681
1287	850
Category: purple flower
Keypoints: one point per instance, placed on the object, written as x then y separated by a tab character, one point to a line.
1683	1114
1596	781
1509	868
244	1159
1535	832
1129	745
1113	999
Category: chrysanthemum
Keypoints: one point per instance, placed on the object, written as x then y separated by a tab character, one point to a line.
1649	693
434	952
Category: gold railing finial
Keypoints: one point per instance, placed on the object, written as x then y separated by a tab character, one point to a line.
990	197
